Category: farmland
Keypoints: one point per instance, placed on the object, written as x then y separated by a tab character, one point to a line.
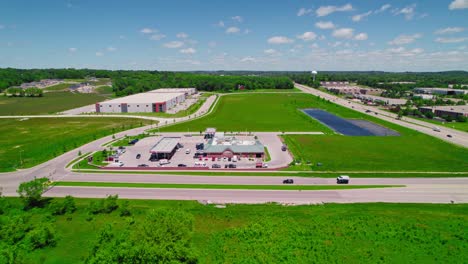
331	233
40	139
50	103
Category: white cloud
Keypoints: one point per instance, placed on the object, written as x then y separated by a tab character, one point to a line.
408	11
325	25
346	33
405	39
335	44
359	17
212	44
174	44
157	36
280	40
449	30
451	40
182	35
111	49
232	30
303	11
382	8
148	31
247	31
72	49
220	23
272	52
248	59
361	36
188	51
458	4
99	54
327	10
314	46
237	18
307	36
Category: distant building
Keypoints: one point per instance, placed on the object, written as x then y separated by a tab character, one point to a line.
424	96
448	110
384	100
41	84
142	102
441	91
186	91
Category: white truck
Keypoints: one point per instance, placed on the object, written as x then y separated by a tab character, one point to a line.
342	179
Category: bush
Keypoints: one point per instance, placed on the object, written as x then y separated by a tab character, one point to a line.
41	237
60	208
124	210
462	119
107	205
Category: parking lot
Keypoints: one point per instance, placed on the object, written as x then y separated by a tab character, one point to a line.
185	155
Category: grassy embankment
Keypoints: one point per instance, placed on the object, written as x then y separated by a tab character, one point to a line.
330	233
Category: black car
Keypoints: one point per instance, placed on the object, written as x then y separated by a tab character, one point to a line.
134	141
143	165
368	111
216	166
449	136
182	165
138	156
232	166
283	148
288	181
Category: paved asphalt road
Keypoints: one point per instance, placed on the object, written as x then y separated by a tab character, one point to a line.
458	137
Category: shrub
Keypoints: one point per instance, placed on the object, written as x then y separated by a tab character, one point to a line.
41	237
60	208
124	210
31	192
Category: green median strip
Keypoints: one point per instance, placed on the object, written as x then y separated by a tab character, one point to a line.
76	159
220	186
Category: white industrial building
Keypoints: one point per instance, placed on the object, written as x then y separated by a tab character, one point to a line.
142	102
384	100
442	91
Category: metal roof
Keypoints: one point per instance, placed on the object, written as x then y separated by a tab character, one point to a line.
165	145
236	147
144	98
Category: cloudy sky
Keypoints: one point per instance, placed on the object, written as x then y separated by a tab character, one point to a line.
418	35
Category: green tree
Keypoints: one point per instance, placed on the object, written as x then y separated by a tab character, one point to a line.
31	192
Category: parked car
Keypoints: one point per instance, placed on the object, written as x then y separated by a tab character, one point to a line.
181	165
284	148
265	165
143	165
164	161
258	165
187	151
342	179
216	166
232	166
134	141
138	156
288	181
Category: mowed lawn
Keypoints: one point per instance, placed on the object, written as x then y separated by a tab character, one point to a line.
330	233
409	152
41	139
50	103
259	112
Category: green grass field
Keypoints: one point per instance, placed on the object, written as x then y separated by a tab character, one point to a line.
222	186
259	112
49	104
40	139
330	233
412	152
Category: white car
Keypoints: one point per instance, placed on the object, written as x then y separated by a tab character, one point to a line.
342	179
164	161
187	151
265	165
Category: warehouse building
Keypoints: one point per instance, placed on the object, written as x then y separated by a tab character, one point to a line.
228	147
384	100
142	102
165	148
441	91
448	110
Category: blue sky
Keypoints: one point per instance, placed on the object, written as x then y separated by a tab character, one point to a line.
429	35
